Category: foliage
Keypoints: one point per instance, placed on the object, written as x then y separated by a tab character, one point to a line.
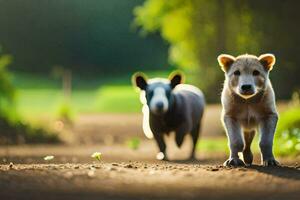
39	96
133	143
96	156
13	130
65	112
7	90
199	30
287	139
18	132
213	145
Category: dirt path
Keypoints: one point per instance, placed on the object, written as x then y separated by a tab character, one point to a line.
129	174
134	174
115	128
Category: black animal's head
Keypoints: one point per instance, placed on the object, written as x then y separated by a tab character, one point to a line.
157	91
247	75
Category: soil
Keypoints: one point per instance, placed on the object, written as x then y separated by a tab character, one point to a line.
124	173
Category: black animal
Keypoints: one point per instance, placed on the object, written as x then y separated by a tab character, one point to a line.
173	106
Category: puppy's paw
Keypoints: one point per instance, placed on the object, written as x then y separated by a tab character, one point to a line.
234	162
270	162
161	156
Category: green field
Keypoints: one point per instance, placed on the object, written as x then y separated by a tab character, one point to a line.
42	96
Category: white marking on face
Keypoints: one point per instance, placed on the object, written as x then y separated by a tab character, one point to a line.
245	96
159	95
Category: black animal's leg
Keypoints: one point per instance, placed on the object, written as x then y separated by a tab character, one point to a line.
179	138
195	135
161	144
180	133
247	154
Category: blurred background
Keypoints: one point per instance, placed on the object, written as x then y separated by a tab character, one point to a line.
65	65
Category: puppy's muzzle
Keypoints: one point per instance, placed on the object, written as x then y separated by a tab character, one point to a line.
247	89
159	108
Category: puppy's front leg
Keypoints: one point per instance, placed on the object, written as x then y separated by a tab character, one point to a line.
267	130
236	144
161	145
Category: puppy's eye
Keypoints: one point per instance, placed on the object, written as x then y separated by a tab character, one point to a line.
237	73
168	94
149	94
255	73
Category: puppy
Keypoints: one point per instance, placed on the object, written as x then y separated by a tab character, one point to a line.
248	102
171	106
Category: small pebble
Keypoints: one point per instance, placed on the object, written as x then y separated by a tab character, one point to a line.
68	175
11	165
48	158
128	166
91	173
111	169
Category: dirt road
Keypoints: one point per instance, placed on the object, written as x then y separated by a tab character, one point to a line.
135	174
129	174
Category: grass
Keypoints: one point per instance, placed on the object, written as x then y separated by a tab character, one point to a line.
287	137
282	146
220	144
106	99
133	143
41	96
122	99
212	145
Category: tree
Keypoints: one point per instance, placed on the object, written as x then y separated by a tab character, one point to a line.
198	31
7	90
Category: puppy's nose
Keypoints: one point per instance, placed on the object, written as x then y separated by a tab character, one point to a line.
159	106
246	88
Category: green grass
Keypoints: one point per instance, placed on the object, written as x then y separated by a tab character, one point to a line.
220	144
106	99
212	145
119	99
133	143
287	137
282	145
42	96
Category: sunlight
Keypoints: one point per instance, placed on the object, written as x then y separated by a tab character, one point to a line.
146	127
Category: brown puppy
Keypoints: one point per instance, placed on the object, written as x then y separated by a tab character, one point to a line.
248	104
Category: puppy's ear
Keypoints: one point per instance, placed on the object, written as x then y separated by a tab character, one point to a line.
139	80
176	78
225	61
267	60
